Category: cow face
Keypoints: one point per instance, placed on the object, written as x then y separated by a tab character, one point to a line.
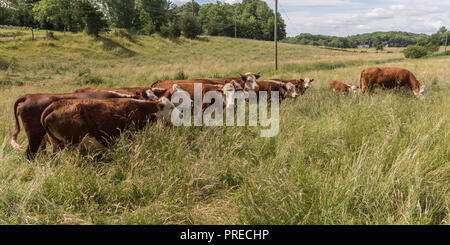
307	83
149	94
228	93
291	90
422	91
166	110
250	81
353	88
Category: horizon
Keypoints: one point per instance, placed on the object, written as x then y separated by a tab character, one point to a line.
343	17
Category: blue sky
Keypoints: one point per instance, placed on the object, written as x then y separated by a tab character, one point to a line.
347	17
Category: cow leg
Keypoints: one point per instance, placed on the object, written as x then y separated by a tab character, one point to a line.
34	141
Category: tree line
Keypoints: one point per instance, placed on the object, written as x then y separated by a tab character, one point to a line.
250	19
375	39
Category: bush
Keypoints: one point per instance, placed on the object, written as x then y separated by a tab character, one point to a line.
190	26
415	52
432	48
170	31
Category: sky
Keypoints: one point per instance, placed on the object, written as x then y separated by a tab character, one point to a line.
348	17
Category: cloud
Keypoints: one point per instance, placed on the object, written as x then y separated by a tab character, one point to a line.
347	17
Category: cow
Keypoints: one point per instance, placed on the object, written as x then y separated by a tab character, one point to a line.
97	122
390	77
343	88
301	85
284	89
140	92
246	81
30	107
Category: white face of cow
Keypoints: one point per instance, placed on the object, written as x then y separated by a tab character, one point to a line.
167	109
151	95
228	91
291	92
250	82
422	91
308	82
353	88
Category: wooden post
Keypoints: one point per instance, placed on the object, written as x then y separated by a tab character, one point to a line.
276	35
32	34
235	24
446	38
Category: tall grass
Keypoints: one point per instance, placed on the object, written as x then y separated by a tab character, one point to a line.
357	159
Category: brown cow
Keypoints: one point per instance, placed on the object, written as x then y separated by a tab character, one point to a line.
271	86
99	121
390	77
246	81
342	87
30	107
300	85
139	92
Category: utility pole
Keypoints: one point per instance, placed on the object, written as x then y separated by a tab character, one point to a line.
275	35
446	38
235	24
193	12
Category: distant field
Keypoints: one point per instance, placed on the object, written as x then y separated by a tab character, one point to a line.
379	159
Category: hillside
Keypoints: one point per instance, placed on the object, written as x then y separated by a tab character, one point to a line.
378	159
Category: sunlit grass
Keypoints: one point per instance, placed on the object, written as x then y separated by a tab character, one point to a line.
357	159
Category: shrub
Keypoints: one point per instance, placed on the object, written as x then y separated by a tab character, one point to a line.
415	52
170	31
190	26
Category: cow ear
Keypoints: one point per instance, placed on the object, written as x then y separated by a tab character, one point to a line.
257	75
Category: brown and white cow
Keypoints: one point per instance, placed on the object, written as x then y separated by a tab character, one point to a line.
140	92
246	81
301	85
284	89
30	107
390	77
99	121
342	88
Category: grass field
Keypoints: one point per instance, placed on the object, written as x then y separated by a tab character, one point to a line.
379	159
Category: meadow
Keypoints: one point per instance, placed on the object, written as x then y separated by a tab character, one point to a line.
357	159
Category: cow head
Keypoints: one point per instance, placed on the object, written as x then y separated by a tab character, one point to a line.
166	109
291	90
352	88
303	84
149	94
250	81
422	91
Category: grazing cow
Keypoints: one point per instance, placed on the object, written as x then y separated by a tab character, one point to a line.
281	87
246	81
30	107
300	85
139	92
342	87
390	77
98	121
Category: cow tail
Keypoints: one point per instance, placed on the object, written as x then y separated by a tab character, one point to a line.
13	137
360	80
46	112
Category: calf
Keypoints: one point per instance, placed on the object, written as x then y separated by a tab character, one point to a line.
301	85
270	86
342	87
30	107
99	121
390	77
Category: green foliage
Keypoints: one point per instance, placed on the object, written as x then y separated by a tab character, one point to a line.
190	26
415	52
92	19
171	31
393	39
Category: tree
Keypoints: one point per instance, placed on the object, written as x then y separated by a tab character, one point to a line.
415	52
92	20
120	13
56	14
189	26
158	11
